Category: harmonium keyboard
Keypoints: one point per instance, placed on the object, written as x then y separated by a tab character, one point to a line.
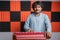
29	36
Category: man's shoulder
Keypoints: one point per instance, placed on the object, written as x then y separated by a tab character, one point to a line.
43	14
31	14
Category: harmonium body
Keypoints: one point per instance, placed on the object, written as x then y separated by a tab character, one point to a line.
29	36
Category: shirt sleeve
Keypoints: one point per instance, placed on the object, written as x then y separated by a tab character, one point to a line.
48	24
26	26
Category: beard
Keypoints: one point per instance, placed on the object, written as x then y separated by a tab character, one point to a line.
37	12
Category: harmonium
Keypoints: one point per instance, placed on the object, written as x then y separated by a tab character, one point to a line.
29	36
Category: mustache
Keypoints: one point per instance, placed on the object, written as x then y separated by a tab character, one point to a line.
36	10
36	13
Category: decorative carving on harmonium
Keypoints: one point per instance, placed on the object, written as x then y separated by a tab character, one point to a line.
30	36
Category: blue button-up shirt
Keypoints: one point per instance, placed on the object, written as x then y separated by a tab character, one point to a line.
39	23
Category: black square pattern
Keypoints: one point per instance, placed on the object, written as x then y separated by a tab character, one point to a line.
4	26
25	5
46	6
4	5
14	16
55	16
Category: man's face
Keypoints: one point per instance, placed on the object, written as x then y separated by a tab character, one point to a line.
37	9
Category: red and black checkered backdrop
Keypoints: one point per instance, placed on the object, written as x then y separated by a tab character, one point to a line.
13	14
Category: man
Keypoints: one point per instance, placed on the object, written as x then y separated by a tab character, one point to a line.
37	21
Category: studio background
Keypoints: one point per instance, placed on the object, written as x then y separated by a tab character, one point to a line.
13	15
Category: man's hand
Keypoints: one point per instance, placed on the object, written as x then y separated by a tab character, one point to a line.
48	35
30	30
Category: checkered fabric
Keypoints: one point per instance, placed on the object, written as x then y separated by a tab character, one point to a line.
13	14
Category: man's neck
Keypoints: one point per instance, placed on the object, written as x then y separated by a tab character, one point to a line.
38	14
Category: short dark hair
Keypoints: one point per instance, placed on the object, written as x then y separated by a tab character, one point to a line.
37	3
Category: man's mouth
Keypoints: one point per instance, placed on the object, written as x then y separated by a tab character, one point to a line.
37	11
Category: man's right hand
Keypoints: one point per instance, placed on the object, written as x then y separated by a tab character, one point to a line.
30	30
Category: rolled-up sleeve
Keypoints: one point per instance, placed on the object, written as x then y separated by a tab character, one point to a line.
26	26
48	24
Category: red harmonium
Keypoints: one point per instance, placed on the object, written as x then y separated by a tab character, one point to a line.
30	36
